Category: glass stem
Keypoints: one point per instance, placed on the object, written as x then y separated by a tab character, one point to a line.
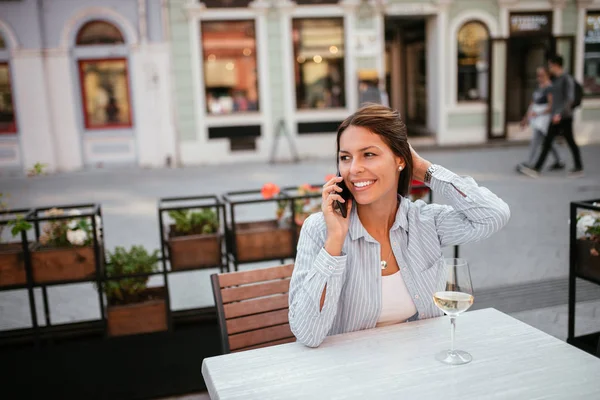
452	329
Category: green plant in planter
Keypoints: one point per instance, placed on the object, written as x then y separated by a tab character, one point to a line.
136	260
3	207
588	229
189	222
19	225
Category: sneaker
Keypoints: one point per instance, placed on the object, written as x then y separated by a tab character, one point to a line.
557	166
576	172
530	172
520	165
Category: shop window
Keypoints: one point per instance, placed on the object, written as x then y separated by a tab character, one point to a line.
472	61
7	112
230	68
319	63
591	57
105	93
99	32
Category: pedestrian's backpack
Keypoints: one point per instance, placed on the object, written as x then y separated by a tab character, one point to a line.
578	94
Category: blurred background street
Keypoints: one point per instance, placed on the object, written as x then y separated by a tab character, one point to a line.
522	268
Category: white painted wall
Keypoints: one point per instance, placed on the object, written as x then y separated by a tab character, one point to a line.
151	82
34	122
63	108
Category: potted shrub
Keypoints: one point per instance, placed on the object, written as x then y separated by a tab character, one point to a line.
133	307
65	250
261	240
12	263
193	240
588	245
303	208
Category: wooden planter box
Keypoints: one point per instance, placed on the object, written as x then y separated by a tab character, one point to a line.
194	251
60	264
12	264
263	240
144	317
588	265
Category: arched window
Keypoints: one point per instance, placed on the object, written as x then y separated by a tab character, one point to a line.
472	61
7	112
104	80
99	32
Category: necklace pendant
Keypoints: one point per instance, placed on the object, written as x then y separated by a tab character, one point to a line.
384	264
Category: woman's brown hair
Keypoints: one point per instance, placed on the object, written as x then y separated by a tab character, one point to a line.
388	124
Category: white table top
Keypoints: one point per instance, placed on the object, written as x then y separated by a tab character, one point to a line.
511	360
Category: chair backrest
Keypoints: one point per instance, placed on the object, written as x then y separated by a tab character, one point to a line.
252	307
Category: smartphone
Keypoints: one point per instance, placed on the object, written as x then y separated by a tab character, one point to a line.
345	193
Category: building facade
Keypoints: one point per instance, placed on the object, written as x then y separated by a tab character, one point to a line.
156	82
84	83
248	73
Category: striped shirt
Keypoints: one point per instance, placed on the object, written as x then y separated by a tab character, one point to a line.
353	280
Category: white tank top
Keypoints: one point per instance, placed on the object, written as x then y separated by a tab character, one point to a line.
397	305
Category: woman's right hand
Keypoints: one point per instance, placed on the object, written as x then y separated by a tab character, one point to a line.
337	225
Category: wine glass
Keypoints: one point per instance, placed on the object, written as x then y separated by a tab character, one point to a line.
455	298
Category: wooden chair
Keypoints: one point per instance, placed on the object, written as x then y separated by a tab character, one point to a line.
252	307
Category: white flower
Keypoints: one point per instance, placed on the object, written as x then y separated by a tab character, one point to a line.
76	237
583	224
74	222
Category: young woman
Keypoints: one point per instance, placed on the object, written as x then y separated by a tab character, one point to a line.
381	264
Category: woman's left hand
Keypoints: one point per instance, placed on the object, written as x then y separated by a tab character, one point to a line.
420	165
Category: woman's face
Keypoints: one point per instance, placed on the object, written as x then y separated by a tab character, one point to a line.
368	165
542	77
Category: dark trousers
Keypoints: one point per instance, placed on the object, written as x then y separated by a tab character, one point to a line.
564	127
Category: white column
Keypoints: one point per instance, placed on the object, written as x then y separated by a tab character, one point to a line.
442	78
397	94
285	10
263	143
63	109
579	41
379	27
433	83
351	73
557	20
35	127
504	20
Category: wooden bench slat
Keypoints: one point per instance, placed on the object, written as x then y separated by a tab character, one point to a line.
259	336
255	275
258	290
257	321
256	306
274	343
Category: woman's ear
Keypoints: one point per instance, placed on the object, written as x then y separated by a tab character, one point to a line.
400	163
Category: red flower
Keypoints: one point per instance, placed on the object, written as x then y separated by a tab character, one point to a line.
418	193
269	190
329	177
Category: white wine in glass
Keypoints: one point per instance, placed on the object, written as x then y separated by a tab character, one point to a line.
456	298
